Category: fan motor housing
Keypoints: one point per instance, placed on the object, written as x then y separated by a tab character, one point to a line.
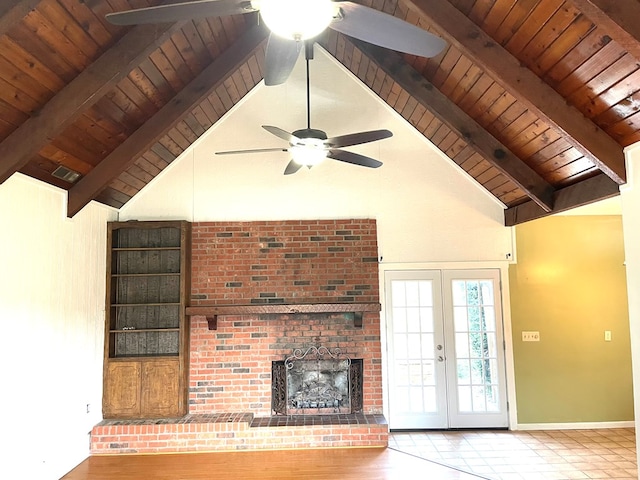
310	133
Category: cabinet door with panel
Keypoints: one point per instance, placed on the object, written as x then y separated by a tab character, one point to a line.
148	279
160	388
122	389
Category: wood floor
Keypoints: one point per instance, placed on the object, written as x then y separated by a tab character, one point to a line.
343	463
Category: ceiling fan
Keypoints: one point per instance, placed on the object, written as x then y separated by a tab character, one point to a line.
309	146
294	21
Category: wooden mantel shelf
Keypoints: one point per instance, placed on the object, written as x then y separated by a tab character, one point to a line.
212	311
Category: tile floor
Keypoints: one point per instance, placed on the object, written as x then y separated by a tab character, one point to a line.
527	455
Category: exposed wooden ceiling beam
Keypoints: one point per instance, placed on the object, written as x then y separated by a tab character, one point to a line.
588	191
522	83
457	120
165	119
12	12
80	94
619	18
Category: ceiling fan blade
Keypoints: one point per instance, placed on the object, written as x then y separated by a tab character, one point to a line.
280	133
292	167
280	58
255	150
385	30
180	11
354	158
357	138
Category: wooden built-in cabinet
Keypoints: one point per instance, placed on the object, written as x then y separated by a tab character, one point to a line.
147	335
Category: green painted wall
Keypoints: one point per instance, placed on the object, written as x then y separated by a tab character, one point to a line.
569	284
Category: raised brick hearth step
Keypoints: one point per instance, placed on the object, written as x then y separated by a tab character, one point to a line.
238	431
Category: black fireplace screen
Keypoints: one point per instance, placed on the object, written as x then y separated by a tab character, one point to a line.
316	381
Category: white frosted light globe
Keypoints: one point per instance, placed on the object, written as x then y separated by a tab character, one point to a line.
297	19
310	151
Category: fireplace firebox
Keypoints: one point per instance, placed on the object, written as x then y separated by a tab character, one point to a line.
316	381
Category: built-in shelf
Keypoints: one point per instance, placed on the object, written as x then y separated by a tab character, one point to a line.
145	330
211	312
144	249
156	304
151	275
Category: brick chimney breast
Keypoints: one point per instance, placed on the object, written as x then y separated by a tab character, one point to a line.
279	263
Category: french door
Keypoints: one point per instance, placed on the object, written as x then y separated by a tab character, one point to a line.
446	349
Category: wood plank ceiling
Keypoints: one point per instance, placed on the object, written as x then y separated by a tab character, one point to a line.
534	99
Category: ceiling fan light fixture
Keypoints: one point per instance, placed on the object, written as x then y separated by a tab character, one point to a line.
309	153
297	19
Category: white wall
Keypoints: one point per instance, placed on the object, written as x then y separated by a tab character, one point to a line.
52	301
427	208
630	196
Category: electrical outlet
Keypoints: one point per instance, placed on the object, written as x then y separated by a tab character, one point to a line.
607	335
530	336
88	408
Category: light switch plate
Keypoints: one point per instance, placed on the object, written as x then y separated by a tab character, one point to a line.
530	336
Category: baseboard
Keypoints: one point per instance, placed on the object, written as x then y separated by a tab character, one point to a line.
574	426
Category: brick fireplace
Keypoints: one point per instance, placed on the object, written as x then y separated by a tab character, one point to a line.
260	290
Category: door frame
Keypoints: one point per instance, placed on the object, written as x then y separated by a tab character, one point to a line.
503	268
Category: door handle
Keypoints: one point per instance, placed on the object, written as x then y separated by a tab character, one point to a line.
440	358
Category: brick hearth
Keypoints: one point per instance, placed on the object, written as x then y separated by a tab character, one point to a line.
238	432
269	263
